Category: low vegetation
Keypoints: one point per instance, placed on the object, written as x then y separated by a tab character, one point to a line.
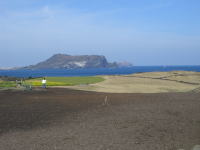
7	84
54	81
152	82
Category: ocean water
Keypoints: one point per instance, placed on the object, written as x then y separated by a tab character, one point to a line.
95	71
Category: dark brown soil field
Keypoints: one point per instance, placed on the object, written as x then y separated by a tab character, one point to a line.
63	119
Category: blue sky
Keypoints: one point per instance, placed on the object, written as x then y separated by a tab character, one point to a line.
156	32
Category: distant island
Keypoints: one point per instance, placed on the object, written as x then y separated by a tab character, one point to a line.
64	61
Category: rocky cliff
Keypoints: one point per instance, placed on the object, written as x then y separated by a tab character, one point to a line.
61	61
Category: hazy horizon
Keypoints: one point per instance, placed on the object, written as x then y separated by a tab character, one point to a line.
145	33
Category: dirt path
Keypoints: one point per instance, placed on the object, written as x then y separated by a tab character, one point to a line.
60	119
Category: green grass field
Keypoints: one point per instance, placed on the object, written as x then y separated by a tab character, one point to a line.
65	81
7	84
56	81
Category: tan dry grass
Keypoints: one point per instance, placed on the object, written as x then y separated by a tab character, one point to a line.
151	74
145	83
186	77
165	74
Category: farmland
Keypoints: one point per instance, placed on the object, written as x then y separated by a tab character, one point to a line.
54	81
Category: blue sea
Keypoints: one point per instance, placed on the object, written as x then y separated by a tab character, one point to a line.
95	71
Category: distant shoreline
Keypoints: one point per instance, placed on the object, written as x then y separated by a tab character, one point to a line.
95	71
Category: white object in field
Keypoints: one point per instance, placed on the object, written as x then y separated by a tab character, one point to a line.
44	81
105	101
